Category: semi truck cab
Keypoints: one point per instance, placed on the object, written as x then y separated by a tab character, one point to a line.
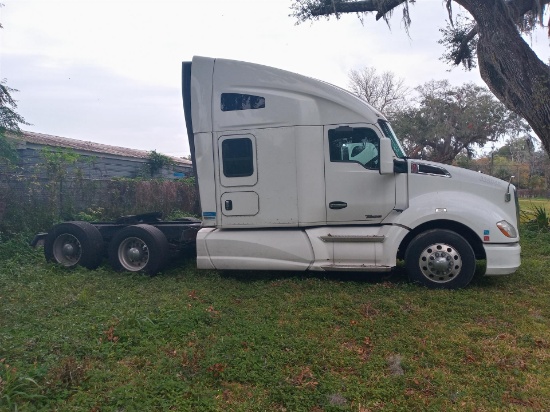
297	174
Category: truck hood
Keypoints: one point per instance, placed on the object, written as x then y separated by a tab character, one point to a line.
458	176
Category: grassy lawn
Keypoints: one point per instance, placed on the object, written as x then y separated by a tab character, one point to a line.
529	203
190	340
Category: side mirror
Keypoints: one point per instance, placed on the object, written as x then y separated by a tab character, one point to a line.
386	157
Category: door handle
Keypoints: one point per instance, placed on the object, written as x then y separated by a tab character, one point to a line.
337	205
228	205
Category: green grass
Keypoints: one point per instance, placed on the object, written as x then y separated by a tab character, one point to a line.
190	340
540	202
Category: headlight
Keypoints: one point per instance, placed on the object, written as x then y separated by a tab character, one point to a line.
507	229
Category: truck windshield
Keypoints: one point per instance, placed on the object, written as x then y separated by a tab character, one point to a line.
388	132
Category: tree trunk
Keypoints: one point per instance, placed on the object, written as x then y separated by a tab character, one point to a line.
510	68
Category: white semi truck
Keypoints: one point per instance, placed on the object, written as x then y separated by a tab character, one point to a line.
297	174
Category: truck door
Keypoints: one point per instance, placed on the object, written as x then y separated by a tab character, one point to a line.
238	176
355	190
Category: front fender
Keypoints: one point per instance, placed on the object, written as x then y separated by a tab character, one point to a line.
473	211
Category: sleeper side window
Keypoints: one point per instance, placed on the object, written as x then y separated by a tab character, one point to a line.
238	101
237	157
354	145
238	164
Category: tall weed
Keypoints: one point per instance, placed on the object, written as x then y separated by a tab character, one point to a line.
15	388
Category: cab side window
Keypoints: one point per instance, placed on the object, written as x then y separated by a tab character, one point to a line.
354	145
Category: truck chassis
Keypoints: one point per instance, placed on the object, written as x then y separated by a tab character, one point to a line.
133	243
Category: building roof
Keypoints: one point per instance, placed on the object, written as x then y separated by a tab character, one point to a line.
99	148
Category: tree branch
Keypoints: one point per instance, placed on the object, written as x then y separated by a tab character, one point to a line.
314	9
463	48
520	7
326	8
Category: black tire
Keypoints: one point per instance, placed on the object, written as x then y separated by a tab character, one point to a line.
440	259
139	248
74	243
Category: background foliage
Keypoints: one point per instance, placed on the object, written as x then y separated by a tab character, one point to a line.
9	121
56	190
445	121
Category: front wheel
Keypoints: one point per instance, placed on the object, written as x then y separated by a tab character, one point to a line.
440	259
139	248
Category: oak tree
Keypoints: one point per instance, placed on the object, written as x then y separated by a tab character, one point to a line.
446	121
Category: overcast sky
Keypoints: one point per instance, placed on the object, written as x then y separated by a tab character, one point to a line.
109	71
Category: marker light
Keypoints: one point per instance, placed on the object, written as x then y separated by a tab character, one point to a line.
507	229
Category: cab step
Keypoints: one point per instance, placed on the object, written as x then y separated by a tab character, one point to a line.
356	268
352	238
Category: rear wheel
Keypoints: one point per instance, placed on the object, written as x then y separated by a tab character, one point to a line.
139	248
440	259
74	243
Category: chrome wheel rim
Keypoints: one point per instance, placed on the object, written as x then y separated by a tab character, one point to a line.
67	250
440	263
133	254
